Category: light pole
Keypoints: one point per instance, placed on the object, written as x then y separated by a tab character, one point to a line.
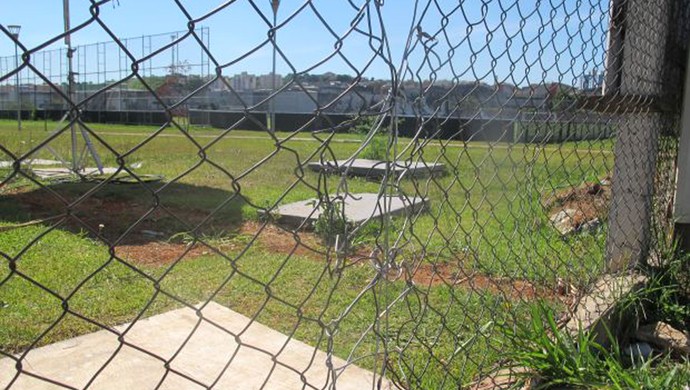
274	4
74	109
14	30
172	51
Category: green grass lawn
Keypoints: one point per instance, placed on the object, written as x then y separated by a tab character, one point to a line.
485	217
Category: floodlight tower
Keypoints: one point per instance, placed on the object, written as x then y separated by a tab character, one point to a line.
14	30
274	4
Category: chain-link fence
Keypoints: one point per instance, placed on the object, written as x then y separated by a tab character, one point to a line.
97	64
374	218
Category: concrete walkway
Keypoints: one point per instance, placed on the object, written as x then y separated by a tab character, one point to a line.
212	357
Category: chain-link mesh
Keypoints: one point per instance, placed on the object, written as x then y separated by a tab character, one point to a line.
377	228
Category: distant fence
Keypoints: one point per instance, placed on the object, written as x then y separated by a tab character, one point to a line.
563	127
567	128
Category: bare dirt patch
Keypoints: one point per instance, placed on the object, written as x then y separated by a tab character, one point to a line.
278	240
450	274
270	238
144	226
112	216
159	253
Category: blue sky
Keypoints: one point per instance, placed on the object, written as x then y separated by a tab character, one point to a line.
490	40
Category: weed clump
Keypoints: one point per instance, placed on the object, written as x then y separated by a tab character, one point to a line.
332	225
547	356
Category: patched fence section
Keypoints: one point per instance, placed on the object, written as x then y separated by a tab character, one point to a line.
381	209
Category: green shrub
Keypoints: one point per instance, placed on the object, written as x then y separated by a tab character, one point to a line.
331	225
377	149
362	124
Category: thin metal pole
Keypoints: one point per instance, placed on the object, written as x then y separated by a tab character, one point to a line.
149	52
272	115
70	84
73	115
201	54
172	53
143	53
19	93
273	82
208	46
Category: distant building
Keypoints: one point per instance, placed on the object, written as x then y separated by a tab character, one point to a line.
292	101
532	98
243	82
265	81
219	85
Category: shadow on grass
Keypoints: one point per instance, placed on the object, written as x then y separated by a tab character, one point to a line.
126	214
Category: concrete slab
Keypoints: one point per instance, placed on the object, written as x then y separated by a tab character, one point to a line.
36	161
377	168
59	173
357	208
226	352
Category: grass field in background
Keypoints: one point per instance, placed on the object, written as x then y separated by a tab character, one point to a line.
487	206
490	196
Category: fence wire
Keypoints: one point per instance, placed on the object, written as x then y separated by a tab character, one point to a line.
382	237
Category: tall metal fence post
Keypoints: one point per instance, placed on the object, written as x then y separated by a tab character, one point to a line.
635	73
681	212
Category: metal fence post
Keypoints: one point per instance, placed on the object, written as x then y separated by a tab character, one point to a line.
635	72
681	212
